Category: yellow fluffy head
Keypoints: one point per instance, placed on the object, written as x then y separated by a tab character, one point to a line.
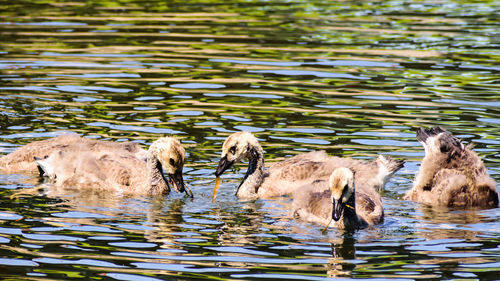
236	146
170	153
341	184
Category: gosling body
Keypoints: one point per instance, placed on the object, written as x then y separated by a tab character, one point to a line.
71	161
451	174
21	160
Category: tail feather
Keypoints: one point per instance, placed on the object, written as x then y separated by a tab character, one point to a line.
390	164
423	133
447	142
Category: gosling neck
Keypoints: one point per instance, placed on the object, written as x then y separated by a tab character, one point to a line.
255	174
157	183
350	217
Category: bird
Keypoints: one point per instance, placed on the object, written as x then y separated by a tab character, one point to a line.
338	202
284	177
72	161
21	160
451	174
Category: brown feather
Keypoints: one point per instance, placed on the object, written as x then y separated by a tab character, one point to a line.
22	159
451	174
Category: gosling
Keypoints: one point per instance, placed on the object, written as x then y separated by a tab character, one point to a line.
336	202
71	161
451	174
285	177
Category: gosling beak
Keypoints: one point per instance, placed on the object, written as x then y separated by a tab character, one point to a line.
337	209
178	181
223	165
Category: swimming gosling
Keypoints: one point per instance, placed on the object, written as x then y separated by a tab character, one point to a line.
338	202
72	161
451	174
22	159
285	177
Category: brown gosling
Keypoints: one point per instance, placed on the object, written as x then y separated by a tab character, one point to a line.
338	202
451	174
285	177
105	165
21	160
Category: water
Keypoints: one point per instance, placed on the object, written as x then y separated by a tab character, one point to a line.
352	78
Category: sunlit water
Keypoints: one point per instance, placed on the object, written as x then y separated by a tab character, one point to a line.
352	78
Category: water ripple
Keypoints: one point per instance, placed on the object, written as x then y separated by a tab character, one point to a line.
351	78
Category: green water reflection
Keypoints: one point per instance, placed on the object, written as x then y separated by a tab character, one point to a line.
354	78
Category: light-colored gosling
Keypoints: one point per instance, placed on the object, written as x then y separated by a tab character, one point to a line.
122	167
451	174
21	160
284	177
338	202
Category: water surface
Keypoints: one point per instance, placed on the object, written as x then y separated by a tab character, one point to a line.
352	78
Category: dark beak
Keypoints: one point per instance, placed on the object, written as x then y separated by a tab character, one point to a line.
223	165
178	181
337	209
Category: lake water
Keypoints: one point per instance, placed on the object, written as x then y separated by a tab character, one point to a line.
354	78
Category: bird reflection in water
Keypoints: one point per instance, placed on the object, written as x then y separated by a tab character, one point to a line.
343	252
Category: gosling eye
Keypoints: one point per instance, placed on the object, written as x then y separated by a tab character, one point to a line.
232	150
172	162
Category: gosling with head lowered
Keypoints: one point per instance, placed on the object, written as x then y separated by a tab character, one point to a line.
285	177
338	202
71	161
451	174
